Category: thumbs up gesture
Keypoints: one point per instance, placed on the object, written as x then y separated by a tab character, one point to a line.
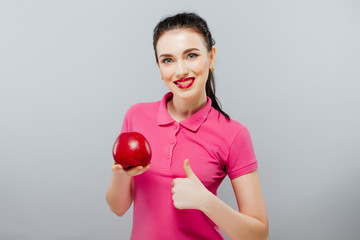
189	192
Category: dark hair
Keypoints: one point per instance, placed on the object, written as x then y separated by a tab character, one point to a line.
198	24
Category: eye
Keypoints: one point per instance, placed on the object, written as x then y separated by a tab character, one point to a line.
192	55
166	60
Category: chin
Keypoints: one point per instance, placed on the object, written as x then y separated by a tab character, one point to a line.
186	95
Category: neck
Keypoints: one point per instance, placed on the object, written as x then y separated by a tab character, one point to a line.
180	109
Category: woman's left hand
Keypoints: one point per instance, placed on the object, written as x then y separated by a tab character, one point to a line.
189	192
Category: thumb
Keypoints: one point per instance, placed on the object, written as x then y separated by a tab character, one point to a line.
188	171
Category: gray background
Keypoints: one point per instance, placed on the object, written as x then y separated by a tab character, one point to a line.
289	70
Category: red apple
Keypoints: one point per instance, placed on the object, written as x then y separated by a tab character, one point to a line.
131	149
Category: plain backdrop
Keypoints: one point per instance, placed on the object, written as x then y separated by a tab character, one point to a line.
288	70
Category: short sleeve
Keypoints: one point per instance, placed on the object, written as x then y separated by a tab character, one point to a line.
241	158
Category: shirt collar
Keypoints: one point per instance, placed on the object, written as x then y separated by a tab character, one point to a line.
192	123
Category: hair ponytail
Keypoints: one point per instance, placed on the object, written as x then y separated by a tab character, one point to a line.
210	92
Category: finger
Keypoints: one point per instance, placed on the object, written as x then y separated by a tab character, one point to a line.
139	170
116	164
132	171
188	171
116	167
177	205
148	166
176	181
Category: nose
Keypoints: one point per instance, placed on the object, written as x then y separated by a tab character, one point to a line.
181	70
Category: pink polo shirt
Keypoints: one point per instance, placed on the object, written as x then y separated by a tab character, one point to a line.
215	148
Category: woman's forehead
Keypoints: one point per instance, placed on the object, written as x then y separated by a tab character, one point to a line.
180	39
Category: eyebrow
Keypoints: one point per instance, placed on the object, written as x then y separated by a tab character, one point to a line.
186	51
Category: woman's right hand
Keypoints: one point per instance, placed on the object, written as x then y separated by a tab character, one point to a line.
134	171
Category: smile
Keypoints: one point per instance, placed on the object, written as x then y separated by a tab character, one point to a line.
185	83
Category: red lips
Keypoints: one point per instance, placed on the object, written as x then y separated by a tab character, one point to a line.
185	83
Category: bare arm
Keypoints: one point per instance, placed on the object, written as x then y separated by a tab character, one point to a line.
119	194
251	221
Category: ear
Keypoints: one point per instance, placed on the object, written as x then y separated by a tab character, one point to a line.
212	56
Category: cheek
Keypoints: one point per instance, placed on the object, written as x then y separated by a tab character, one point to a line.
201	67
166	73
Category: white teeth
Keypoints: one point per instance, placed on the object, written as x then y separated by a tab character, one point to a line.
185	82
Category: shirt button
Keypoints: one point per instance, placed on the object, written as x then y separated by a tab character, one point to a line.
173	141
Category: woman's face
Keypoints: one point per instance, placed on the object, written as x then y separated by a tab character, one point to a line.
184	62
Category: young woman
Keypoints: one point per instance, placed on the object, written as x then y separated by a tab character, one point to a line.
194	146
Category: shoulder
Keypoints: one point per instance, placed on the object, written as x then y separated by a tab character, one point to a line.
143	108
229	127
221	132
